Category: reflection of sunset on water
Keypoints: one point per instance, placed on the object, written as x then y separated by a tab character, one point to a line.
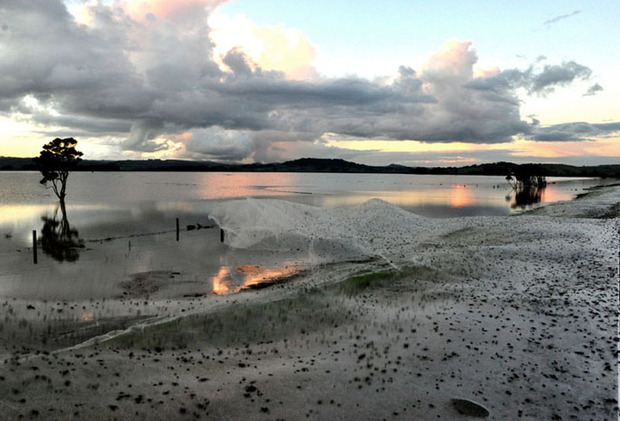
222	282
553	194
249	275
460	196
244	184
403	199
87	316
534	196
16	212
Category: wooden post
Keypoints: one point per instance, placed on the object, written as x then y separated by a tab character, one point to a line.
34	246
221	235
177	229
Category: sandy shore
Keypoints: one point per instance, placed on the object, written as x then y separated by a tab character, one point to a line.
517	316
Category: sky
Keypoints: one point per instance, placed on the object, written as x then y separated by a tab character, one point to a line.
419	83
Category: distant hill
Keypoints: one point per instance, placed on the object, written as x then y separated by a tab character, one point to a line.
321	166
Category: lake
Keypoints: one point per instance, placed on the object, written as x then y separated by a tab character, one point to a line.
123	226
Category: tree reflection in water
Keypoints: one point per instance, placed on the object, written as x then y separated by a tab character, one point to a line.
528	185
58	239
528	196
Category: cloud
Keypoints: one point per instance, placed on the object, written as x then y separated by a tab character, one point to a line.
147	72
592	90
534	80
143	137
178	10
218	144
557	19
577	131
274	47
558	75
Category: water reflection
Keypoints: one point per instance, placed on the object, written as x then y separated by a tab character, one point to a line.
229	280
87	316
461	196
58	239
527	196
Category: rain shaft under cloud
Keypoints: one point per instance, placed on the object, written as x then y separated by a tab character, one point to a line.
144	73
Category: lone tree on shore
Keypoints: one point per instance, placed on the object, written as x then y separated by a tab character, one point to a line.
57	159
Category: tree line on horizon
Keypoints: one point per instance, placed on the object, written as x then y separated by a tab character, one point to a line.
323	165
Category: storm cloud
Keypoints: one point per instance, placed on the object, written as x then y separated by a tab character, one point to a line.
146	73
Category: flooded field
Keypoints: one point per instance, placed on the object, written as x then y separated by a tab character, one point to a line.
133	246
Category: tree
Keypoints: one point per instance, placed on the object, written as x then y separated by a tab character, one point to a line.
528	184
57	159
527	176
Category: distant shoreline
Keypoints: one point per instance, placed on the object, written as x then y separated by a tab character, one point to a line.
314	165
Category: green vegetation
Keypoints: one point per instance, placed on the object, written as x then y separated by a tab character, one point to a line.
365	281
384	278
244	324
237	325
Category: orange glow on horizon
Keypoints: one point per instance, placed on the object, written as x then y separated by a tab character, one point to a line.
602	147
405	146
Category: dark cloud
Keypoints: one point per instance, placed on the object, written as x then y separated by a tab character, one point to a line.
238	63
142	137
578	131
150	78
558	75
534	81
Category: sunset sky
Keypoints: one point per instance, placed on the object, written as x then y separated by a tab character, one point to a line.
430	83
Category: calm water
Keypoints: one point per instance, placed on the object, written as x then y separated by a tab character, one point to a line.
430	195
126	225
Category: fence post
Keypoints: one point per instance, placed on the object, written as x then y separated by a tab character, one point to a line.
34	246
177	229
